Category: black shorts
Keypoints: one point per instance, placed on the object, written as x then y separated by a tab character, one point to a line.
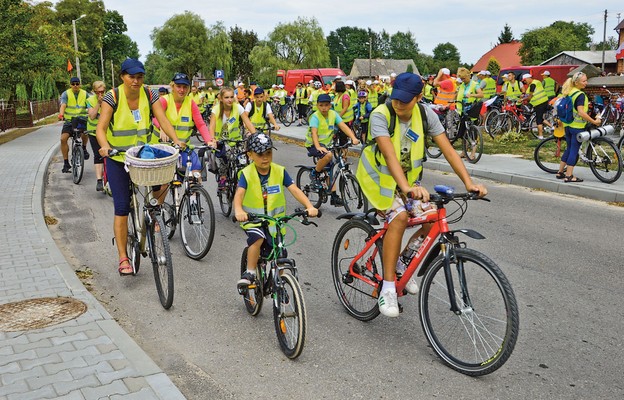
540	110
67	128
313	152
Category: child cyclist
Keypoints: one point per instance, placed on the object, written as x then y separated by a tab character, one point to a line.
391	167
320	135
261	191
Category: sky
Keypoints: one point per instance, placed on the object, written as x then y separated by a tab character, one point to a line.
472	26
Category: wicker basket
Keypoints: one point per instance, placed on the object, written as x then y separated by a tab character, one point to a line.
151	172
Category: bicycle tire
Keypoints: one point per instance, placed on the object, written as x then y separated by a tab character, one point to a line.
357	296
620	144
312	192
489	123
197	230
252	298
547	154
352	197
431	148
452	120
481	337
162	263
133	249
287	120
473	141
289	315
77	163
605	160
223	194
168	212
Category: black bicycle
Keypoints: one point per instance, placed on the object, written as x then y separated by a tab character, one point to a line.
234	160
79	127
469	134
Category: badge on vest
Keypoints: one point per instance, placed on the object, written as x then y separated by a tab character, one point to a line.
331	128
136	114
273	189
231	120
185	119
411	135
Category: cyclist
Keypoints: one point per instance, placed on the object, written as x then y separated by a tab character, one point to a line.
73	104
281	94
391	168
342	105
301	99
261	191
513	89
320	134
362	111
131	105
536	95
259	111
318	90
93	110
446	87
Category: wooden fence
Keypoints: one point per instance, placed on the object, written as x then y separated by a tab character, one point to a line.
23	114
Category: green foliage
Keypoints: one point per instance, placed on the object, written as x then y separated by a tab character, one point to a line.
543	43
512	137
300	43
446	55
348	43
493	66
403	46
242	43
20	92
610	44
409	68
506	35
220	55
265	64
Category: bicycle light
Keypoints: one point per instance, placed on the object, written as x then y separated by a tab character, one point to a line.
153	201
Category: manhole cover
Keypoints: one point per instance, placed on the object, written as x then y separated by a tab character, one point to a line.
39	313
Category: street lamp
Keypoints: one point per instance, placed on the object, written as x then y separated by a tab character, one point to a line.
76	44
370	57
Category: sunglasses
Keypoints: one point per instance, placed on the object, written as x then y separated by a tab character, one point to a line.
180	76
75	84
100	91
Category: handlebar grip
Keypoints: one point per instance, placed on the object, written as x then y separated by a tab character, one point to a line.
112	152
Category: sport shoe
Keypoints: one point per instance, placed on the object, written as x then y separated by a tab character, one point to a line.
86	154
335	200
66	169
99	186
246	279
412	286
540	137
388	304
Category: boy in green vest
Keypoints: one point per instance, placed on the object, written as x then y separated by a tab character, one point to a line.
261	191
259	111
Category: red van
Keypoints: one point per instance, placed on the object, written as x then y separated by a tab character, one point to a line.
558	72
291	77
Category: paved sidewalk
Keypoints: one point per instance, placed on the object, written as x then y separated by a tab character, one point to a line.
89	357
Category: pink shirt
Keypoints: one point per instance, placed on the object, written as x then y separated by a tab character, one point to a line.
197	119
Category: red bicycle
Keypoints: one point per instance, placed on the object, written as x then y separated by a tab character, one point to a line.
468	309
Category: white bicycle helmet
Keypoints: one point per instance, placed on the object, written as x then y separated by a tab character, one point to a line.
317	84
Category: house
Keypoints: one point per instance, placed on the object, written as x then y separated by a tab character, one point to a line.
367	68
585	57
505	53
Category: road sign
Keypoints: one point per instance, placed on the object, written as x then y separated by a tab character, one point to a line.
219	74
219	82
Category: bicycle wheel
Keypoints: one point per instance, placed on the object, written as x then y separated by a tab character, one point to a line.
197	223
161	261
252	296
359	297
481	336
620	144
473	144
223	194
77	163
351	193
313	191
289	315
431	148
452	121
132	244
489	123
547	154
168	212
605	160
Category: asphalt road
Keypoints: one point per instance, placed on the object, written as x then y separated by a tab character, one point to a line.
563	256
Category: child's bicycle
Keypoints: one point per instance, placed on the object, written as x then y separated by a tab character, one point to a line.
468	310
277	277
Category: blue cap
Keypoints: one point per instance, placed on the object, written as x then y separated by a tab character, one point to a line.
258	90
131	66
323	98
181	79
74	79
406	86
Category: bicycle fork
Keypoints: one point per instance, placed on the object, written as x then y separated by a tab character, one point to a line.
447	252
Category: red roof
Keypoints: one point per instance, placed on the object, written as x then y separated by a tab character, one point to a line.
506	54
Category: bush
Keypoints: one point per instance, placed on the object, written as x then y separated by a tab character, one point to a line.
512	137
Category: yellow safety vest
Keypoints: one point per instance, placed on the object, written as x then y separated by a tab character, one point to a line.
210	98
315	95
579	122
256	115
373	97
301	96
233	124
123	130
549	86
325	130
462	91
513	91
348	115
373	173
76	107
92	123
254	201
490	88
182	120
539	95
428	92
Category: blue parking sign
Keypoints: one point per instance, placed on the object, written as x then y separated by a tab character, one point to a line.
219	73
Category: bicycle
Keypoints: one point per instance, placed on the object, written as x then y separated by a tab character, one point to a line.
601	154
79	127
235	159
277	277
468	310
147	232
192	210
318	189
471	137
613	113
287	113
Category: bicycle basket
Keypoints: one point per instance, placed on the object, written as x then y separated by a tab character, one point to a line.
151	172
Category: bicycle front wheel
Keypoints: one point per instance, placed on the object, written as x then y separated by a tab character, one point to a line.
289	315
252	295
225	202
77	163
197	223
431	148
168	212
312	190
352	196
132	243
490	122
356	287
547	154
605	160
162	263
473	144
478	338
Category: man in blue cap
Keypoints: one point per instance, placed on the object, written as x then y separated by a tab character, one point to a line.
73	105
390	169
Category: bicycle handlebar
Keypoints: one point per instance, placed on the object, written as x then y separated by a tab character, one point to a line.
445	194
261	218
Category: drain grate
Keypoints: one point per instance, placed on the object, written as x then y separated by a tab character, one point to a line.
39	313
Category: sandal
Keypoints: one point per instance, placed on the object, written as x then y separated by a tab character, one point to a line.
560	175
125	270
572	179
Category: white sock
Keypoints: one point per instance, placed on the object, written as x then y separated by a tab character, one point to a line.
193	198
388	286
251	271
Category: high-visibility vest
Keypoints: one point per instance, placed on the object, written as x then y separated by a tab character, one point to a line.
76	107
315	95
373	173
210	97
539	95
182	120
490	88
513	91
352	97
362	110
443	97
254	201
282	96
301	96
373	97
233	124
257	115
578	122
325	130
428	92
348	115
123	130
549	86
462	91
92	123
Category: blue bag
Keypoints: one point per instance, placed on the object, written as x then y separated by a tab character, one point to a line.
565	110
148	152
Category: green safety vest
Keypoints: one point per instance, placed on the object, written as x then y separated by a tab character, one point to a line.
464	90
428	92
539	95
232	124
373	173
210	97
256	115
325	130
76	107
373	97
490	88
549	87
578	122
282	96
123	131
362	111
348	115
182	120
302	96
315	95
513	91
92	123
254	202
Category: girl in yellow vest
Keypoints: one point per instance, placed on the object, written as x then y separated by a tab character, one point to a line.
390	169
93	110
125	122
261	191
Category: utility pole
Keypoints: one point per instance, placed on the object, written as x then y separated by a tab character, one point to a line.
112	75
102	60
604	40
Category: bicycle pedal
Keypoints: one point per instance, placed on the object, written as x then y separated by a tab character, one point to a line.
400	307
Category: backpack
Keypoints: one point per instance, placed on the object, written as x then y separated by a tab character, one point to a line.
264	111
565	109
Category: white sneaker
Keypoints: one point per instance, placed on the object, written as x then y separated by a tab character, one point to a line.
411	286
388	304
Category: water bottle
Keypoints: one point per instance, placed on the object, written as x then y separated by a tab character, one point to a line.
595	133
408	254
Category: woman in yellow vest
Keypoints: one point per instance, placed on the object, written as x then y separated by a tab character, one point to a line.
125	122
93	110
573	87
390	169
536	95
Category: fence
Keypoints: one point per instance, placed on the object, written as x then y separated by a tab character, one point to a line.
22	114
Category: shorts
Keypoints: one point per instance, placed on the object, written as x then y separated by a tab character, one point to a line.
195	164
95	146
67	128
418	208
313	152
540	110
257	233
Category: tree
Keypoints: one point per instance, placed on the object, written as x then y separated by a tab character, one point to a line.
265	64
301	44
446	55
220	46
116	45
610	44
493	66
403	46
349	43
243	43
543	43
506	35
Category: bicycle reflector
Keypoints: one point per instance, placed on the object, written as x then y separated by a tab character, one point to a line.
346	244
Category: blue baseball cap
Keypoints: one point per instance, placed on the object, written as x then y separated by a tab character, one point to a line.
74	79
131	66
323	98
181	79
407	86
258	90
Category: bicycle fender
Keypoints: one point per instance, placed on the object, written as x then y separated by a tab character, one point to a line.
368	217
470	233
306	167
